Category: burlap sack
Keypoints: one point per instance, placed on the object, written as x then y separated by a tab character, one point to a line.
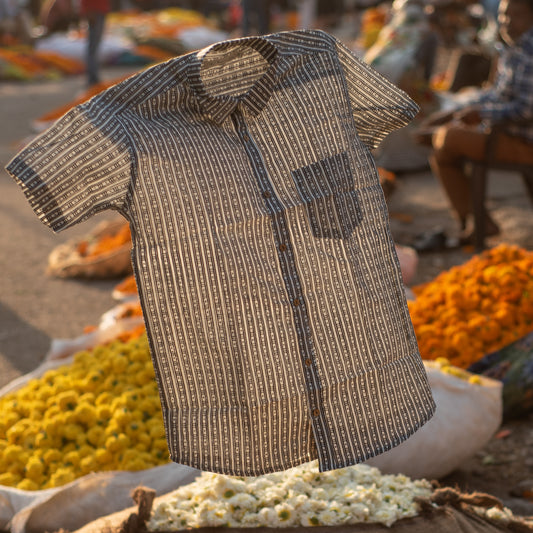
447	511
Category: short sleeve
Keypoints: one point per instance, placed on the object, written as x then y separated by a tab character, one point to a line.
76	168
379	107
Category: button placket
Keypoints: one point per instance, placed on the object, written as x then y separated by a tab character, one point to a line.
293	286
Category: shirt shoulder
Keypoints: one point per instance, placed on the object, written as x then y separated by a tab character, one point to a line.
303	41
317	41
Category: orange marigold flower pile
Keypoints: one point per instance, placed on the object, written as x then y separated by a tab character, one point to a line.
127	287
475	308
106	243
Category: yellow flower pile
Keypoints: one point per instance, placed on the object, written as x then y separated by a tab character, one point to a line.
101	412
475	308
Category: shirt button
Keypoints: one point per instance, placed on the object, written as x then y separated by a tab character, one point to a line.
266	194
316	412
296	302
282	247
246	138
308	362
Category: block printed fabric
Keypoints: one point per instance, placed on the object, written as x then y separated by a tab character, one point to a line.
267	274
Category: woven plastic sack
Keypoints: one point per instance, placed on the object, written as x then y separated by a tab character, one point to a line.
466	418
84	500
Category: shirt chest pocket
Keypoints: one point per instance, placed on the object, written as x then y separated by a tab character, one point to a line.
327	190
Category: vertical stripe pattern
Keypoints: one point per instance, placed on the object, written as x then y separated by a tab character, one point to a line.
267	274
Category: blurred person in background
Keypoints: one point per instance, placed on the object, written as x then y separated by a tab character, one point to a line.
404	52
15	23
255	17
307	12
463	131
406	47
57	16
95	13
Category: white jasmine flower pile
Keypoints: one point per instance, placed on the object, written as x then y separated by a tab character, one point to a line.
301	496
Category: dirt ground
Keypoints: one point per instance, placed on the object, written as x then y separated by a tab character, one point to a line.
34	308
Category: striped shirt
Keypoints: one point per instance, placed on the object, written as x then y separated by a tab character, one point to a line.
268	277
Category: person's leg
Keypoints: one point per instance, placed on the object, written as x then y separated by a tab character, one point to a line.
96	23
306	14
246	15
255	17
451	144
262	10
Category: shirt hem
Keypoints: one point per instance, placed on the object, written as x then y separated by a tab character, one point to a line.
343	444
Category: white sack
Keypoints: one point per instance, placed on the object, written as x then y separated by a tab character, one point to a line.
87	498
466	418
109	328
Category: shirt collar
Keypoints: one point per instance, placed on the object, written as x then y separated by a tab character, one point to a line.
220	107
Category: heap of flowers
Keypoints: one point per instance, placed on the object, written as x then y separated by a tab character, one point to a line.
26	64
126	289
300	496
476	308
445	367
104	253
164	23
151	36
106	242
101	412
